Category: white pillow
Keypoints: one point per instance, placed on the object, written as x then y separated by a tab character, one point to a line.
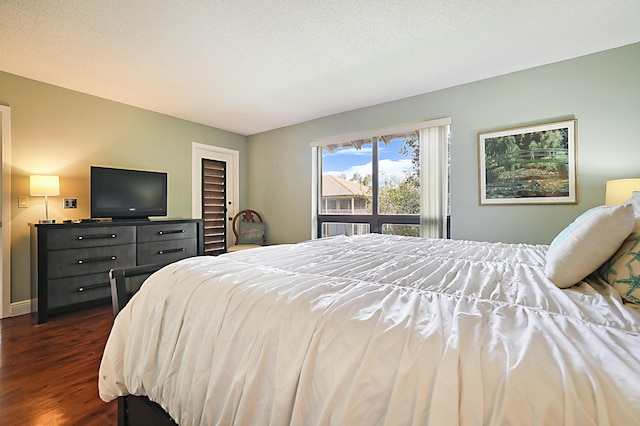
635	202
587	243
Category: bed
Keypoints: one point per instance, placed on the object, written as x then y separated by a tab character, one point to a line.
377	330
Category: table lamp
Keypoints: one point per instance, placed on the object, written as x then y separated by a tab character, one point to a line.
620	190
44	186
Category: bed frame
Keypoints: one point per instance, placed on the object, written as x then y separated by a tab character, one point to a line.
135	410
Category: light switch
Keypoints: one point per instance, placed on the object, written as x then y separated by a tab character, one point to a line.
23	201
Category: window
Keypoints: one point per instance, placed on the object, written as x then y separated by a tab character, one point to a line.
393	181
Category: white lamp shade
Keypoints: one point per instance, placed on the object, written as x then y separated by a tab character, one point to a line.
44	185
620	190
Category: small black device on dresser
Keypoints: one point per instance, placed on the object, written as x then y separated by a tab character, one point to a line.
70	262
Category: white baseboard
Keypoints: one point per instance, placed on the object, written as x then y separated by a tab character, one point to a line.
20	308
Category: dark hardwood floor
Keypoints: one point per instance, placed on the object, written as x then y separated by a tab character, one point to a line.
49	372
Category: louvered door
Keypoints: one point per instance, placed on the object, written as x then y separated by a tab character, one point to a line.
213	206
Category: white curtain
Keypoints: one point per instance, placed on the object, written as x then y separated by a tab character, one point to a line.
434	154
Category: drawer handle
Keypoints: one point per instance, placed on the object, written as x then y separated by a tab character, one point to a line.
92	287
171	250
96	259
174	231
96	237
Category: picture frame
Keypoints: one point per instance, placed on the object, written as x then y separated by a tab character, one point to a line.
529	165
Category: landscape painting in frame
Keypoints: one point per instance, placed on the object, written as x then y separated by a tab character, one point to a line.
529	165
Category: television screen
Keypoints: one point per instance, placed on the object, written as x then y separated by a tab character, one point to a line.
127	194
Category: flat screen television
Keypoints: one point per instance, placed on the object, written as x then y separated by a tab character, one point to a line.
122	194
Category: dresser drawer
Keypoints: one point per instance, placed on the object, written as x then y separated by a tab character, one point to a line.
90	237
166	251
69	263
70	291
167	231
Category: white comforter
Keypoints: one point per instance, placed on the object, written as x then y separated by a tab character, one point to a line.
376	330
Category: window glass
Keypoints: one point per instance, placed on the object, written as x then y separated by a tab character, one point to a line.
399	174
330	229
346	178
401	229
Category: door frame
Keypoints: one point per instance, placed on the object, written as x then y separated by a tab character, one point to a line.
5	211
229	156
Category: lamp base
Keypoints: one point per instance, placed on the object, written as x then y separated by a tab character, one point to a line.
47	221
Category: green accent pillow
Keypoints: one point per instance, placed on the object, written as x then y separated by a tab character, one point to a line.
622	271
250	233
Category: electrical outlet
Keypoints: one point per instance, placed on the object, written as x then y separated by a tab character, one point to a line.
70	203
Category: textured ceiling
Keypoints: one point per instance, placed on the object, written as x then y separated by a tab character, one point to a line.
254	65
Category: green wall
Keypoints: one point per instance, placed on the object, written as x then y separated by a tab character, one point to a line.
62	132
602	91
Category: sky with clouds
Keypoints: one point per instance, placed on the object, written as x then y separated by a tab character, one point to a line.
349	161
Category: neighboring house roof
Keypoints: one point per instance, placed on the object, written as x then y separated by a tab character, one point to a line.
334	186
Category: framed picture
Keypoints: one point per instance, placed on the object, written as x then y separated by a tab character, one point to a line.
529	165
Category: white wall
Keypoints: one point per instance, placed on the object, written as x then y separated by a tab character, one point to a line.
601	90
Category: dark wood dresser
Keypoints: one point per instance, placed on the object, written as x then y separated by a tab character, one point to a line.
70	262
